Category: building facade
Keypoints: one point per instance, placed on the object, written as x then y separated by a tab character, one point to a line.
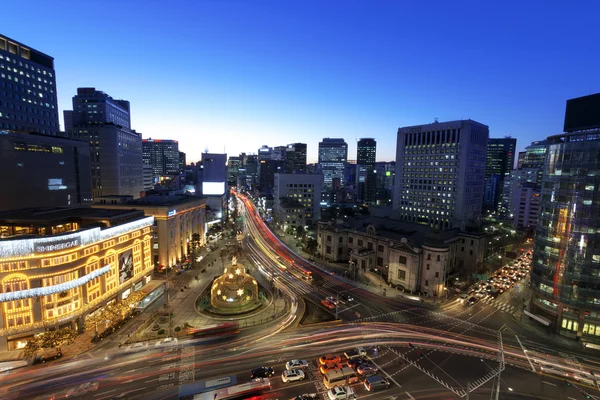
295	158
366	185
499	162
440	171
148	177
68	266
333	155
565	274
176	219
303	188
44	171
28	99
409	256
115	149
162	155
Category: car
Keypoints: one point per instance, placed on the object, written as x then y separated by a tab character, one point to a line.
355	362
82	389
329	358
166	342
306	396
330	366
328	304
333	300
472	301
376	382
347	297
341	392
366	369
262	372
137	346
291	375
295	364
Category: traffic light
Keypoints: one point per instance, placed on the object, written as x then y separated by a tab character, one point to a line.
411	345
567	382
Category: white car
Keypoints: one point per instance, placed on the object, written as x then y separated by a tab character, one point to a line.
340	393
137	346
292	375
82	389
296	364
166	342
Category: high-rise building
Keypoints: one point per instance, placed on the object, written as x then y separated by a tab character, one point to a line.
566	257
213	185
520	159
440	171
366	185
268	169
333	154
522	187
148	177
182	161
234	163
499	162
385	181
163	155
298	196
28	100
43	171
295	158
115	149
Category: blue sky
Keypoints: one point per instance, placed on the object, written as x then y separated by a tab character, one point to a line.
234	75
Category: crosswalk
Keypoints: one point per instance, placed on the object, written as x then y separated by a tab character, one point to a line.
499	304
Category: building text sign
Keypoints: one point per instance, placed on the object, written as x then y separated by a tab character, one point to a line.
48	247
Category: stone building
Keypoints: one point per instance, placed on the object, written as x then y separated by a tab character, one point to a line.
409	256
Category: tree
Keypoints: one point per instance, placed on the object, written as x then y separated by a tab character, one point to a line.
57	338
32	347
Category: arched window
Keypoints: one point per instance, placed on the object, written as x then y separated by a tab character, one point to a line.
429	256
438	257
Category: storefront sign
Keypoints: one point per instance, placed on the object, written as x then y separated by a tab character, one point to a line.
138	286
47	247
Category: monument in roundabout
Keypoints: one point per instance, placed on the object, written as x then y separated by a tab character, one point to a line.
234	292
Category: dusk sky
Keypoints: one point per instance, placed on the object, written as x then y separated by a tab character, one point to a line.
234	75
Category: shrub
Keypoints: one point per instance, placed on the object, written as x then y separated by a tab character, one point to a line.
161	332
177	328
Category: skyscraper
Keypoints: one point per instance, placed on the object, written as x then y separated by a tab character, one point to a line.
440	171
115	149
333	154
28	100
366	184
163	155
565	272
182	161
295	158
499	162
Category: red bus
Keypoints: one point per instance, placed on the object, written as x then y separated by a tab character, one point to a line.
244	391
225	328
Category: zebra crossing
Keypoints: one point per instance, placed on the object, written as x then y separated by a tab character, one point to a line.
499	304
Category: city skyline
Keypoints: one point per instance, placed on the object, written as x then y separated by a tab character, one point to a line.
205	73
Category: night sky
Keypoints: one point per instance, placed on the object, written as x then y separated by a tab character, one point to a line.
234	75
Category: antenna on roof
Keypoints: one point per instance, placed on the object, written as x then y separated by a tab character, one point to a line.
435	120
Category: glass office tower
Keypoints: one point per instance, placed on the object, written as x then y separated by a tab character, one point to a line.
565	275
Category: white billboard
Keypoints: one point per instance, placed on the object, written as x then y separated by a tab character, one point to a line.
213	188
